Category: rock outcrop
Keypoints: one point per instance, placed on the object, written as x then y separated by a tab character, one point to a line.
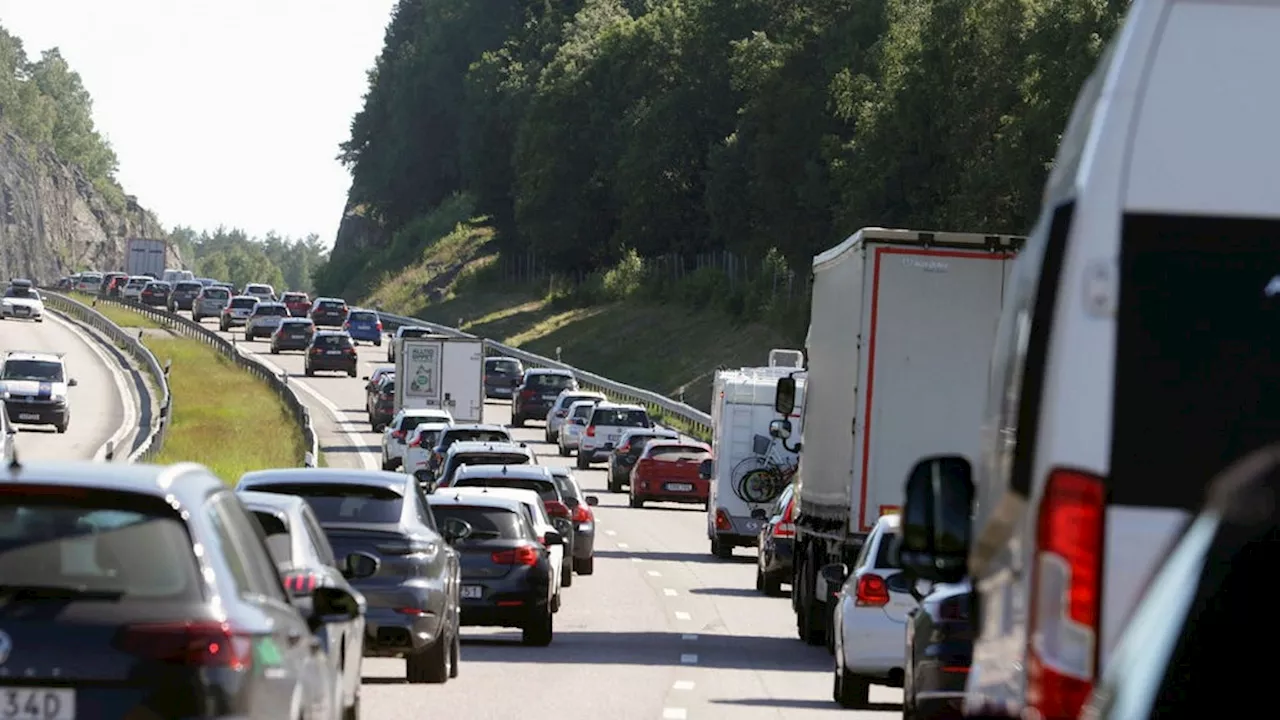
54	222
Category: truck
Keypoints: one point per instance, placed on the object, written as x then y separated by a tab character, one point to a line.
439	371
753	464
901	328
146	257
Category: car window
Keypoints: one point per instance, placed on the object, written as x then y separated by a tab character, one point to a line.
295	297
470	434
363	317
487	523
426	437
582	411
884	553
242	547
546	489
503	365
319	540
409	422
243	303
37	370
193	286
330	305
279	543
619	417
423	510
333	341
21	292
490	458
214	294
343	502
566	487
677	453
414	332
271	310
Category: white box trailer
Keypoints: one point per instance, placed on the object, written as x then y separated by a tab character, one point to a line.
441	372
742	409
900	334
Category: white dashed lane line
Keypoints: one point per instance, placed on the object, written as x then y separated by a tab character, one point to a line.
669	592
681	615
654	573
674	714
683	685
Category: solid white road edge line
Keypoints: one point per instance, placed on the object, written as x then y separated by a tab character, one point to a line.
654	573
129	410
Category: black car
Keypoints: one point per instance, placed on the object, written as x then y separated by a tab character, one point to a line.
506	571
537	392
306	561
142	591
584	519
292	334
623	457
500	374
329	311
184	294
774	562
330	351
469	432
939	650
155	294
382	402
412	595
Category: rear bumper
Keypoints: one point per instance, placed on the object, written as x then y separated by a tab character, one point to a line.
322	362
372	336
584	542
36	413
872	641
260	330
283	344
498	390
533	411
742	532
390	633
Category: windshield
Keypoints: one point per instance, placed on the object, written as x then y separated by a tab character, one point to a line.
158	287
331	305
545	489
545	381
333	341
487	523
671	453
614	417
15	291
295	297
272	310
341	502
243	302
190	286
39	370
583	411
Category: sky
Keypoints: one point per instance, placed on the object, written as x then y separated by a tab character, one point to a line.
222	112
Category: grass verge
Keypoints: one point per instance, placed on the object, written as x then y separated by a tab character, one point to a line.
121	316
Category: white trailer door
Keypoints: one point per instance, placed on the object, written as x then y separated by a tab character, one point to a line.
464	380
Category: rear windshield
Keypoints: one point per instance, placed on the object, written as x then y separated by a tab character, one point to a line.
99	546
566	487
258	289
428	438
504	366
296	324
671	453
137	282
334	341
546	490
488	458
454	436
609	417
331	305
884	554
544	381
158	286
414	332
184	286
276	310
345	503
295	297
487	523
583	411
363	316
213	293
409	422
569	400
243	303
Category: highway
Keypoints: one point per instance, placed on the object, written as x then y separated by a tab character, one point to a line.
102	406
661	630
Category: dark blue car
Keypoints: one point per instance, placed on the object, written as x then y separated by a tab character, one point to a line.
364	326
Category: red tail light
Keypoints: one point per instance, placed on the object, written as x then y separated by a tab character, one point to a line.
722	517
582	513
349	351
379	326
624	449
416	442
523	555
188	643
786	527
527	394
872	591
316	351
398	434
591	431
555	508
1066	589
301	583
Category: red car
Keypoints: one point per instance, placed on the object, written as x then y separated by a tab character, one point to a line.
668	471
298	303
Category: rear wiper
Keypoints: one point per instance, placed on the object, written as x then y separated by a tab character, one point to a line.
57	592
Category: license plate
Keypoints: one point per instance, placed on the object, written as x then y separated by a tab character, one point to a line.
28	416
37	704
332	352
679	487
549	397
297	337
613	438
22	310
472	592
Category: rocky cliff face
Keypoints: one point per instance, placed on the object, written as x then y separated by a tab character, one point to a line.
54	222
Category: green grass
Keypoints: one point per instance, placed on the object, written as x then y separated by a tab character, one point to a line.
223	418
118	314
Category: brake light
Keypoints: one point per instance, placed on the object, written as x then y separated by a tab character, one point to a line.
523	555
623	449
398	434
1065	594
591	431
301	583
872	591
202	643
316	351
723	522
527	393
555	508
786	527
406	547
349	351
582	514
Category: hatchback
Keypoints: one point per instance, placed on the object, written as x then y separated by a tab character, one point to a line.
210	302
184	295
330	351
500	374
299	303
264	320
155	294
537	392
364	326
292	334
331	312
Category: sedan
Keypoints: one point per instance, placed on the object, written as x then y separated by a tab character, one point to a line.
412	593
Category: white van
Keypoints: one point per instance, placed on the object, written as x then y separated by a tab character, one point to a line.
1136	357
173	277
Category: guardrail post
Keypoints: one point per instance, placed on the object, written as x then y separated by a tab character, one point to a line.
558	354
168	365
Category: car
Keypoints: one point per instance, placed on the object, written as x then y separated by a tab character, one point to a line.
264	320
237	312
371	380
330	312
465	453
775	561
34	387
89	282
559	412
155	294
869	617
381	402
575	423
134	590
132	290
624	455
184	295
404	331
467	432
508	573
112	284
364	326
330	351
584	519
550	512
395	436
21	301
417	452
537	391
604	429
306	561
299	304
939	648
292	334
261	291
412	595
670	471
499	375
210	303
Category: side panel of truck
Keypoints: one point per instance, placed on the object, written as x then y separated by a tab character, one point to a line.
146	257
463	379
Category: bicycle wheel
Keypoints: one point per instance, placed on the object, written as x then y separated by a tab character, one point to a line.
760	486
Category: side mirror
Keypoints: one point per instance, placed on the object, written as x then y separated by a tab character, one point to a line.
357	566
592	500
332	605
935	532
784	401
834	576
706	469
759	514
72	382
454	530
553	538
780	429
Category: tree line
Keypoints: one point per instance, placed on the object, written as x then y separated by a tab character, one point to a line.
231	255
590	129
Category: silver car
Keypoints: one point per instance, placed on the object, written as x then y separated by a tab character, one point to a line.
264	320
210	302
570	435
237	312
556	417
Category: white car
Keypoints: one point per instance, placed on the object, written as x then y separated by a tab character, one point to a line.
395	436
559	412
575	422
33	387
90	282
870	619
607	423
22	301
133	288
417	452
265	293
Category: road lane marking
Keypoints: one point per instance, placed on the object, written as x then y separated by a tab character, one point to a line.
688	636
681	615
610	532
683	685
669	592
636	559
688	659
654	573
623	546
674	714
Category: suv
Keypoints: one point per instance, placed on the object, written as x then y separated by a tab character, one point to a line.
33	387
292	334
499	375
559	412
264	320
329	311
237	312
537	392
298	303
470	432
330	350
407	331
608	422
184	295
265	293
211	301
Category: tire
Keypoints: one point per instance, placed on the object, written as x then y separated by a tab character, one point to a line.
759	579
812	616
772	585
585	566
432	663
275	351
850	691
635	502
539	631
351	373
517	421
613	485
555	602
564	452
582	462
352	712
721	550
457	655
309	372
566	575
61	428
546	436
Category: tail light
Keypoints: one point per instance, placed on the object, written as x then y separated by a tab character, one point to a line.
398	434
406	547
316	351
200	643
379	326
1065	594
786	527
582	513
561	413
623	449
872	591
591	431
555	508
526	394
523	555
723	522
349	351
301	583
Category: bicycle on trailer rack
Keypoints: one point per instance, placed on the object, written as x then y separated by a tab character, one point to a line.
762	478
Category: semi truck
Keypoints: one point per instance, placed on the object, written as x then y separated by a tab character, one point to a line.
439	371
900	334
146	257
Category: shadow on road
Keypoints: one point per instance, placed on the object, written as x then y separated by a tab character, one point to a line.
804	704
728	592
678	557
343	449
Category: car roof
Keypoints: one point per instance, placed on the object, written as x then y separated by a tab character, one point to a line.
576	403
27	355
459	496
610	405
270	303
246	297
324	333
320	476
429	427
519	495
889	522
549	371
521	472
654	431
287	504
496	358
426	412
463	446
478	426
186	484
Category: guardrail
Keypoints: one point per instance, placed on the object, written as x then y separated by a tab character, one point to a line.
680	416
280	384
154	441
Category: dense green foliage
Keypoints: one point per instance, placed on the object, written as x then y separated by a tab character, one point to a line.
588	129
46	103
233	256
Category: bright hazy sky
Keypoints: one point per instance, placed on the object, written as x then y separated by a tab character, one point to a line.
222	112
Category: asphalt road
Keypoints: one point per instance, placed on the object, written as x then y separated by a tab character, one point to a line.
661	630
101	404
